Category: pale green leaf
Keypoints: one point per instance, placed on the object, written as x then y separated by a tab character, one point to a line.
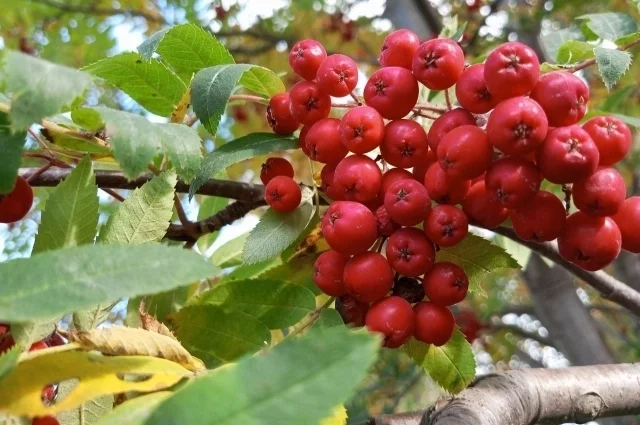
11	149
632	121
135	411
612	64
298	269
85	320
230	254
88	413
87	118
26	333
610	26
210	206
551	42
9	360
262	81
160	305
574	51
627	39
329	317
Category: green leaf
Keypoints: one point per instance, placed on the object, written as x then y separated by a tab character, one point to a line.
9	360
210	206
26	333
478	257
238	150
70	217
612	64
452	366
248	271
86	320
329	317
40	89
617	100
161	305
298	270
275	303
574	51
149	82
299	381
88	413
216	336
628	39
230	254
145	215
519	252
135	411
551	42
11	149
610	26
60	281
262	81
87	118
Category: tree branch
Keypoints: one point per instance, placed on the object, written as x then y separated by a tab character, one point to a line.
96	10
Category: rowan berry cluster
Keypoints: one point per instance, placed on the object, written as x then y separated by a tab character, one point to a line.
513	128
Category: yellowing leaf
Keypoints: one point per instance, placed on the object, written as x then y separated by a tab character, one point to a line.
177	116
338	417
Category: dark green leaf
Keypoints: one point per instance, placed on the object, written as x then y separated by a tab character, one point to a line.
135	411
610	26
298	270
329	317
11	149
612	64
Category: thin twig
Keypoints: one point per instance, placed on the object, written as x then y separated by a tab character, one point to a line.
447	99
429	107
417	113
567	190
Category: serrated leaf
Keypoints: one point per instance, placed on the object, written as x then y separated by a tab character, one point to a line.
248	271
216	336
57	282
551	42
262	81
160	305
230	254
88	413
39	88
612	64
87	118
610	26
26	333
88	319
452	366
299	381
519	252
145	215
11	149
298	270
149	82
574	51
135	411
9	360
477	257
277	304
238	150
70	217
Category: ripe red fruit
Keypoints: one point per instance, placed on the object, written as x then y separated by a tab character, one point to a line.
398	49
386	226
368	276
279	115
328	271
48	395
283	194
337	75
611	136
434	323
438	63
38	345
274	167
308	103
55	339
15	205
393	175
591	243
302	139
409	289
446	225
361	129
447	122
358	178
481	210
563	96
471	91
445	189
305	58
352	311
517	126
627	219
446	284
420	170
566	155
349	227
392	91
512	182
410	252
394	318
405	144
512	69
330	189
323	141
600	194
542	219
407	202
465	152
44	420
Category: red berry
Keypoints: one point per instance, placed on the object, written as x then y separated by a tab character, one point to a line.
308	103
349	227
48	395
627	219
446	225
446	284
328	271
55	339
15	205
445	189
512	69
38	345
407	202
279	115
600	194
283	194
353	312
447	122
566	155
405	144
481	210
323	141
392	91
305	58
398	49
330	189
420	170
394	318
368	276
410	252
409	289
393	175
591	243
542	219
337	75
45	420
274	167
302	139
4	328
434	323
465	152
361	129
611	136
512	182
358	178
386	226
471	91
438	63
563	96
517	126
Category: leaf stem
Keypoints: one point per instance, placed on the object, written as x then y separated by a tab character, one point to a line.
249	98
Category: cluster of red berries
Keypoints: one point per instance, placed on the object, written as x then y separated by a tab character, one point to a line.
15	205
514	128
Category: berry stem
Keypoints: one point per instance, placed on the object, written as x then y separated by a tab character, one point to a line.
315	314
356	98
567	190
429	107
448	99
417	113
591	61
